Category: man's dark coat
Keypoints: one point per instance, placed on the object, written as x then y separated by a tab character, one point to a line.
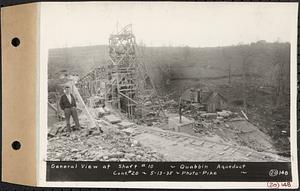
64	102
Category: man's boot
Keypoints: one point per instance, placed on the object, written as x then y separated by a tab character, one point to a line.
68	128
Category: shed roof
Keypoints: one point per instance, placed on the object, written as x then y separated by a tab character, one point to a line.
212	95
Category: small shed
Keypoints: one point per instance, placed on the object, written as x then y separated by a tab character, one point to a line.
215	102
192	95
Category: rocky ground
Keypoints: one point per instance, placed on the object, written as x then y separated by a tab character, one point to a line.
123	140
143	143
113	145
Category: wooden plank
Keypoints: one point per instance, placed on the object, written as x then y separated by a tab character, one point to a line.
56	110
244	115
128	98
89	115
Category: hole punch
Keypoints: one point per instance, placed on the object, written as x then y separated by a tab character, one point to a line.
15	42
16	145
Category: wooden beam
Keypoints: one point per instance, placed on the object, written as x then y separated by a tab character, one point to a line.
128	98
244	115
56	110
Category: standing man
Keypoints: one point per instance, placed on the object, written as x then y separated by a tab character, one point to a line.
68	104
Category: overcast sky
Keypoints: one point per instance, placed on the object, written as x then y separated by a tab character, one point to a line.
164	24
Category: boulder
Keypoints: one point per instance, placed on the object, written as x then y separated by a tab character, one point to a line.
112	119
209	115
74	150
126	124
100	112
224	113
117	155
129	155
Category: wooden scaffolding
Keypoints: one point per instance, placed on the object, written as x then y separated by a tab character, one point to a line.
128	87
122	76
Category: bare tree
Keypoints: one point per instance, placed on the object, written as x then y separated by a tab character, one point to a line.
281	75
227	59
247	54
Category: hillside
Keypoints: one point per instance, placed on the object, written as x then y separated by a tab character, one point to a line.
176	63
78	60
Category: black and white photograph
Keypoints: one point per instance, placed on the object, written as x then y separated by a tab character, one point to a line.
168	82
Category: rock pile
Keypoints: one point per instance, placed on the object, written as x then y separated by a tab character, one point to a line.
113	145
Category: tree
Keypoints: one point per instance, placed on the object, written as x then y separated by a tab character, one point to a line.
250	53
281	63
227	59
247	54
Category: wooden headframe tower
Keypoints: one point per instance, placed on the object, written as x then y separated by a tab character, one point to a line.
128	86
122	75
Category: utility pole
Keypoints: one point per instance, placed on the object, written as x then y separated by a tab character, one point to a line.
227	59
244	71
244	84
229	73
180	112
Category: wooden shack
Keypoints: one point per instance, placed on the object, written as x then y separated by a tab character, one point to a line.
214	102
192	96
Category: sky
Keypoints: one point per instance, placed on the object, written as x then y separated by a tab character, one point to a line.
167	24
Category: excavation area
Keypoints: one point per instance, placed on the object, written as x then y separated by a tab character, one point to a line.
125	102
124	140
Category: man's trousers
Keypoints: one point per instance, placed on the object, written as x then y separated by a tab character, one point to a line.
71	112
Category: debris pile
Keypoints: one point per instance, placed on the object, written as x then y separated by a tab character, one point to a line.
113	145
232	127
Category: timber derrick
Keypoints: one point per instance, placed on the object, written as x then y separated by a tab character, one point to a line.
123	71
124	82
93	83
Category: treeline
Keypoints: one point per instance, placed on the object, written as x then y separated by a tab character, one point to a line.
257	64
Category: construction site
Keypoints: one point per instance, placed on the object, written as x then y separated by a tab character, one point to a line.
124	116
